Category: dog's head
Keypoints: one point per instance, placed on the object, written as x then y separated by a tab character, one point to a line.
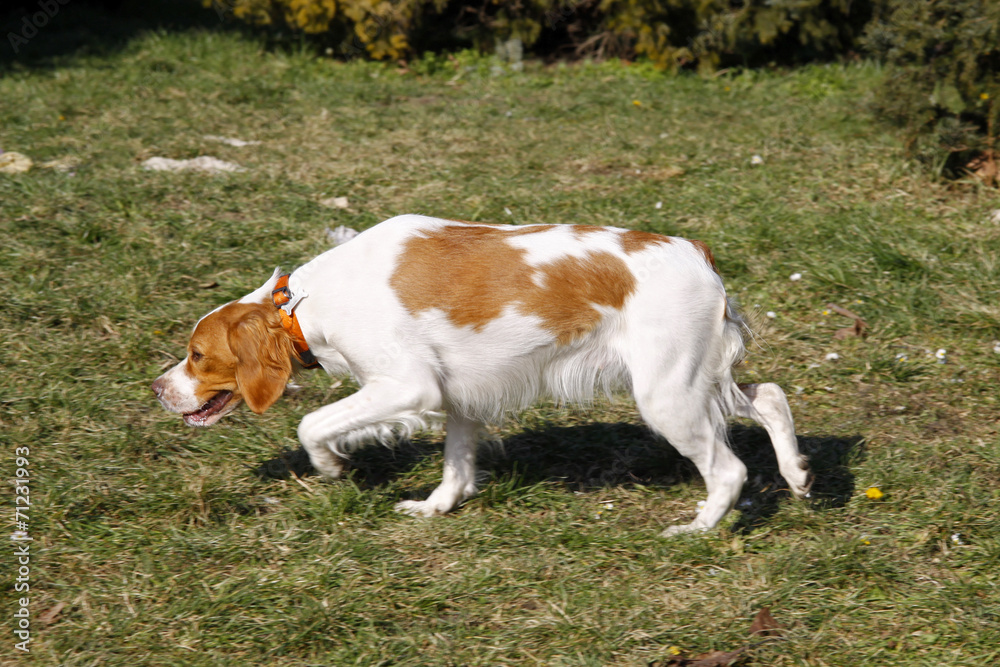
239	352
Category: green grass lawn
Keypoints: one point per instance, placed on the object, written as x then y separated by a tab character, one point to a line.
174	546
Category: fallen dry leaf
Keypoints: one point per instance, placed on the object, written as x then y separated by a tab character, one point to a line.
858	329
984	167
713	659
717	658
764	624
49	617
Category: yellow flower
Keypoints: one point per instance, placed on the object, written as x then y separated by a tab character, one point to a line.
674	650
636	103
984	96
874	492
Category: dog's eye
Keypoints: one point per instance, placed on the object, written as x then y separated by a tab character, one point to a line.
196	356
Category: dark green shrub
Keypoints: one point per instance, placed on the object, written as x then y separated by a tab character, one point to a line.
943	79
673	34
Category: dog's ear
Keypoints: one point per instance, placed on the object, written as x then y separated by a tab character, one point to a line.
263	359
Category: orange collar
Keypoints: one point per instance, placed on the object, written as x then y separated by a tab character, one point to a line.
285	303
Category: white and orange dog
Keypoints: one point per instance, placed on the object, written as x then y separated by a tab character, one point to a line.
478	320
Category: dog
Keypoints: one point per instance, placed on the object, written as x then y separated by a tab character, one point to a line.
477	321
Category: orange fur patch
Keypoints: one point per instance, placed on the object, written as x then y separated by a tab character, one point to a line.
580	231
706	252
635	241
473	274
241	348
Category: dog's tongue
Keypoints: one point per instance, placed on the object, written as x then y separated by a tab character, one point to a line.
214	404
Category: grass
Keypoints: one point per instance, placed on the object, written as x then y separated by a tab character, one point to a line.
174	546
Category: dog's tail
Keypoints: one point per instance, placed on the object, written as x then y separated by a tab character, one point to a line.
735	332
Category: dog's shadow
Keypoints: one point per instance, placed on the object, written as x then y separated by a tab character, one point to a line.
598	455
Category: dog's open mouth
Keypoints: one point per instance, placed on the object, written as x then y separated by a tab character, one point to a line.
210	412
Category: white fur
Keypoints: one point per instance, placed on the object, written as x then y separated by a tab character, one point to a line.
176	389
673	344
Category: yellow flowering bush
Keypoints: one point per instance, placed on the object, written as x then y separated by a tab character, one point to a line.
672	34
377	28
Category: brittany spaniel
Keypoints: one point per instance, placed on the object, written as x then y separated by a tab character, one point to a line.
477	321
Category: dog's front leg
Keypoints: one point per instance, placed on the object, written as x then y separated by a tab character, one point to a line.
459	482
370	413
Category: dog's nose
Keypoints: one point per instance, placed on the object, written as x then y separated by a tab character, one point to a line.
158	387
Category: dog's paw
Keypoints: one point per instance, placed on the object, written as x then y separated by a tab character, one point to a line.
327	465
329	473
800	481
417	508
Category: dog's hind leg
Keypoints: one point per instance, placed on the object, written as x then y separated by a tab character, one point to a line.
459	482
768	406
690	419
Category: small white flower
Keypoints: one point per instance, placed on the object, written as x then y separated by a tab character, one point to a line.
902	357
507	211
268	500
664	135
833	356
756	159
795	277
956	538
609	506
771	314
745	503
996	346
20	535
941	355
701	504
659	205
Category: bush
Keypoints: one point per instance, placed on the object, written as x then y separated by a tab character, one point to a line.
673	34
377	28
718	33
943	79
